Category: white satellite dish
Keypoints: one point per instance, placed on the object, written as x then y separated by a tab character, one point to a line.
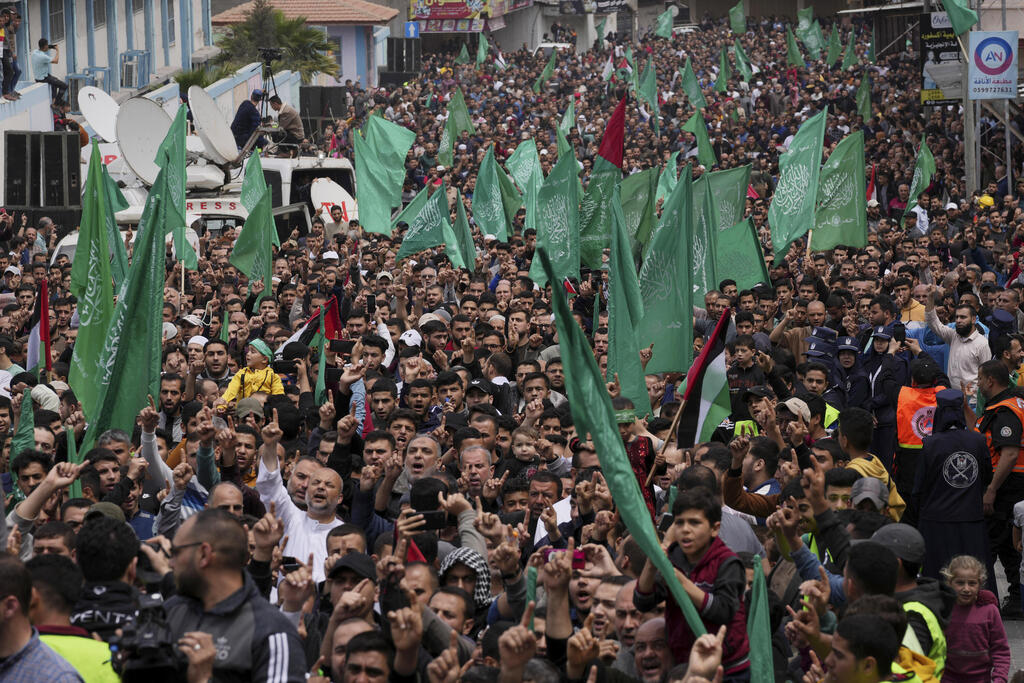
100	112
142	125
211	126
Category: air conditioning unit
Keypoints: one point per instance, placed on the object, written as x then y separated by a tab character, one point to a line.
75	83
100	76
134	69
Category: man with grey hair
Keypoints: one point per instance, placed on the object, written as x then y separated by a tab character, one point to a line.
477	467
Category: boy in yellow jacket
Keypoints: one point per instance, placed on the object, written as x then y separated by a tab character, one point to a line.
256	376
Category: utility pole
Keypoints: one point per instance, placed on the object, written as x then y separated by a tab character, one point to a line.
1006	128
970	131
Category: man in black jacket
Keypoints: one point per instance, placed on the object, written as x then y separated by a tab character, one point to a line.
254	641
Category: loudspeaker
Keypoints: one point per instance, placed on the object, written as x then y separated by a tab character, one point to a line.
42	170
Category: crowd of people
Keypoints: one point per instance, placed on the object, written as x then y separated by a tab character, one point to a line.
436	515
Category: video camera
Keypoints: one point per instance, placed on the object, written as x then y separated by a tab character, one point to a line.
146	650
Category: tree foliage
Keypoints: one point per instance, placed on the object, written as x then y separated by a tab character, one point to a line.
304	48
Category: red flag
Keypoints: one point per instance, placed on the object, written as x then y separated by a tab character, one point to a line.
38	352
752	193
614	134
569	287
413	554
871	185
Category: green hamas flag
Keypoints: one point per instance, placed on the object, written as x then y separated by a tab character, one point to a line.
461	243
813	40
320	392
549	69
377	156
119	254
600	31
463	57
864	97
129	365
171	157
961	16
691	87
592	413
666	284
75	490
705	152
793	56
568	118
412	209
702	242
625	309
804	18
759	628
524	165
511	200
23	438
850	55
637	193
739	256
458	121
482	49
595	221
742	62
488	209
648	92
225	328
841	216
791	213
668	179
253	253
426	229
724	71
663	28
835	46
557	227
729	195
924	169
90	282
737	19
564	148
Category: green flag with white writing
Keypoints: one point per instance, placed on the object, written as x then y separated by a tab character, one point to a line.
458	120
791	213
724	71
253	253
482	47
702	242
593	414
171	157
737	19
813	40
663	29
648	92
863	97
666	284
426	229
637	193
463	57
728	190
742	62
90	283
625	310
460	247
705	152
804	17
524	166
558	221
739	256
850	55
691	87
924	169
841	215
668	178
488	209
412	209
119	253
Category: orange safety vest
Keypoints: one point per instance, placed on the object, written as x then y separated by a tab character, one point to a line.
915	408
1015	406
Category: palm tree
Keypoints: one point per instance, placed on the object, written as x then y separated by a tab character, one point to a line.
303	48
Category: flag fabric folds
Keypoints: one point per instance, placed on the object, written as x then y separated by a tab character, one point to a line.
558	227
253	253
458	120
739	256
863	97
91	284
592	413
961	16
759	628
648	92
426	229
668	178
728	195
793	56
705	152
791	213
924	169
850	55
459	243
311	328
380	151
37	355
549	69
625	309
594	221
488	207
841	215
724	71
524	166
320	392
663	28
171	157
482	48
742	61
709	373
463	57
638	192
666	284
835	46
737	18
119	253
691	87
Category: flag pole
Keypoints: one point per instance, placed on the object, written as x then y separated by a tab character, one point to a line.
671	432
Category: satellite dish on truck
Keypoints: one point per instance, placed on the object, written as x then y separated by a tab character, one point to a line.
100	112
142	125
212	127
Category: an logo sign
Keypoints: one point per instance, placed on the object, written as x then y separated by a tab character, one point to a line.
960	469
992	68
921	422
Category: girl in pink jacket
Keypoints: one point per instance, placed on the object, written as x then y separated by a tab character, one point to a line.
976	647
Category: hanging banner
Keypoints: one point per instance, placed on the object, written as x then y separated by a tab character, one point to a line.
992	69
941	71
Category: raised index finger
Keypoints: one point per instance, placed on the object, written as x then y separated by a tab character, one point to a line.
527	615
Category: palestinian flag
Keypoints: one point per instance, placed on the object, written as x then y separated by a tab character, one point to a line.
706	401
38	357
309	333
872	193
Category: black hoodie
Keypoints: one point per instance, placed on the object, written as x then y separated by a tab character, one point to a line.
937	597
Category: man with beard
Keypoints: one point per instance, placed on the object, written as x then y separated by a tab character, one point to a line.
215	356
254	640
651	653
968	348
